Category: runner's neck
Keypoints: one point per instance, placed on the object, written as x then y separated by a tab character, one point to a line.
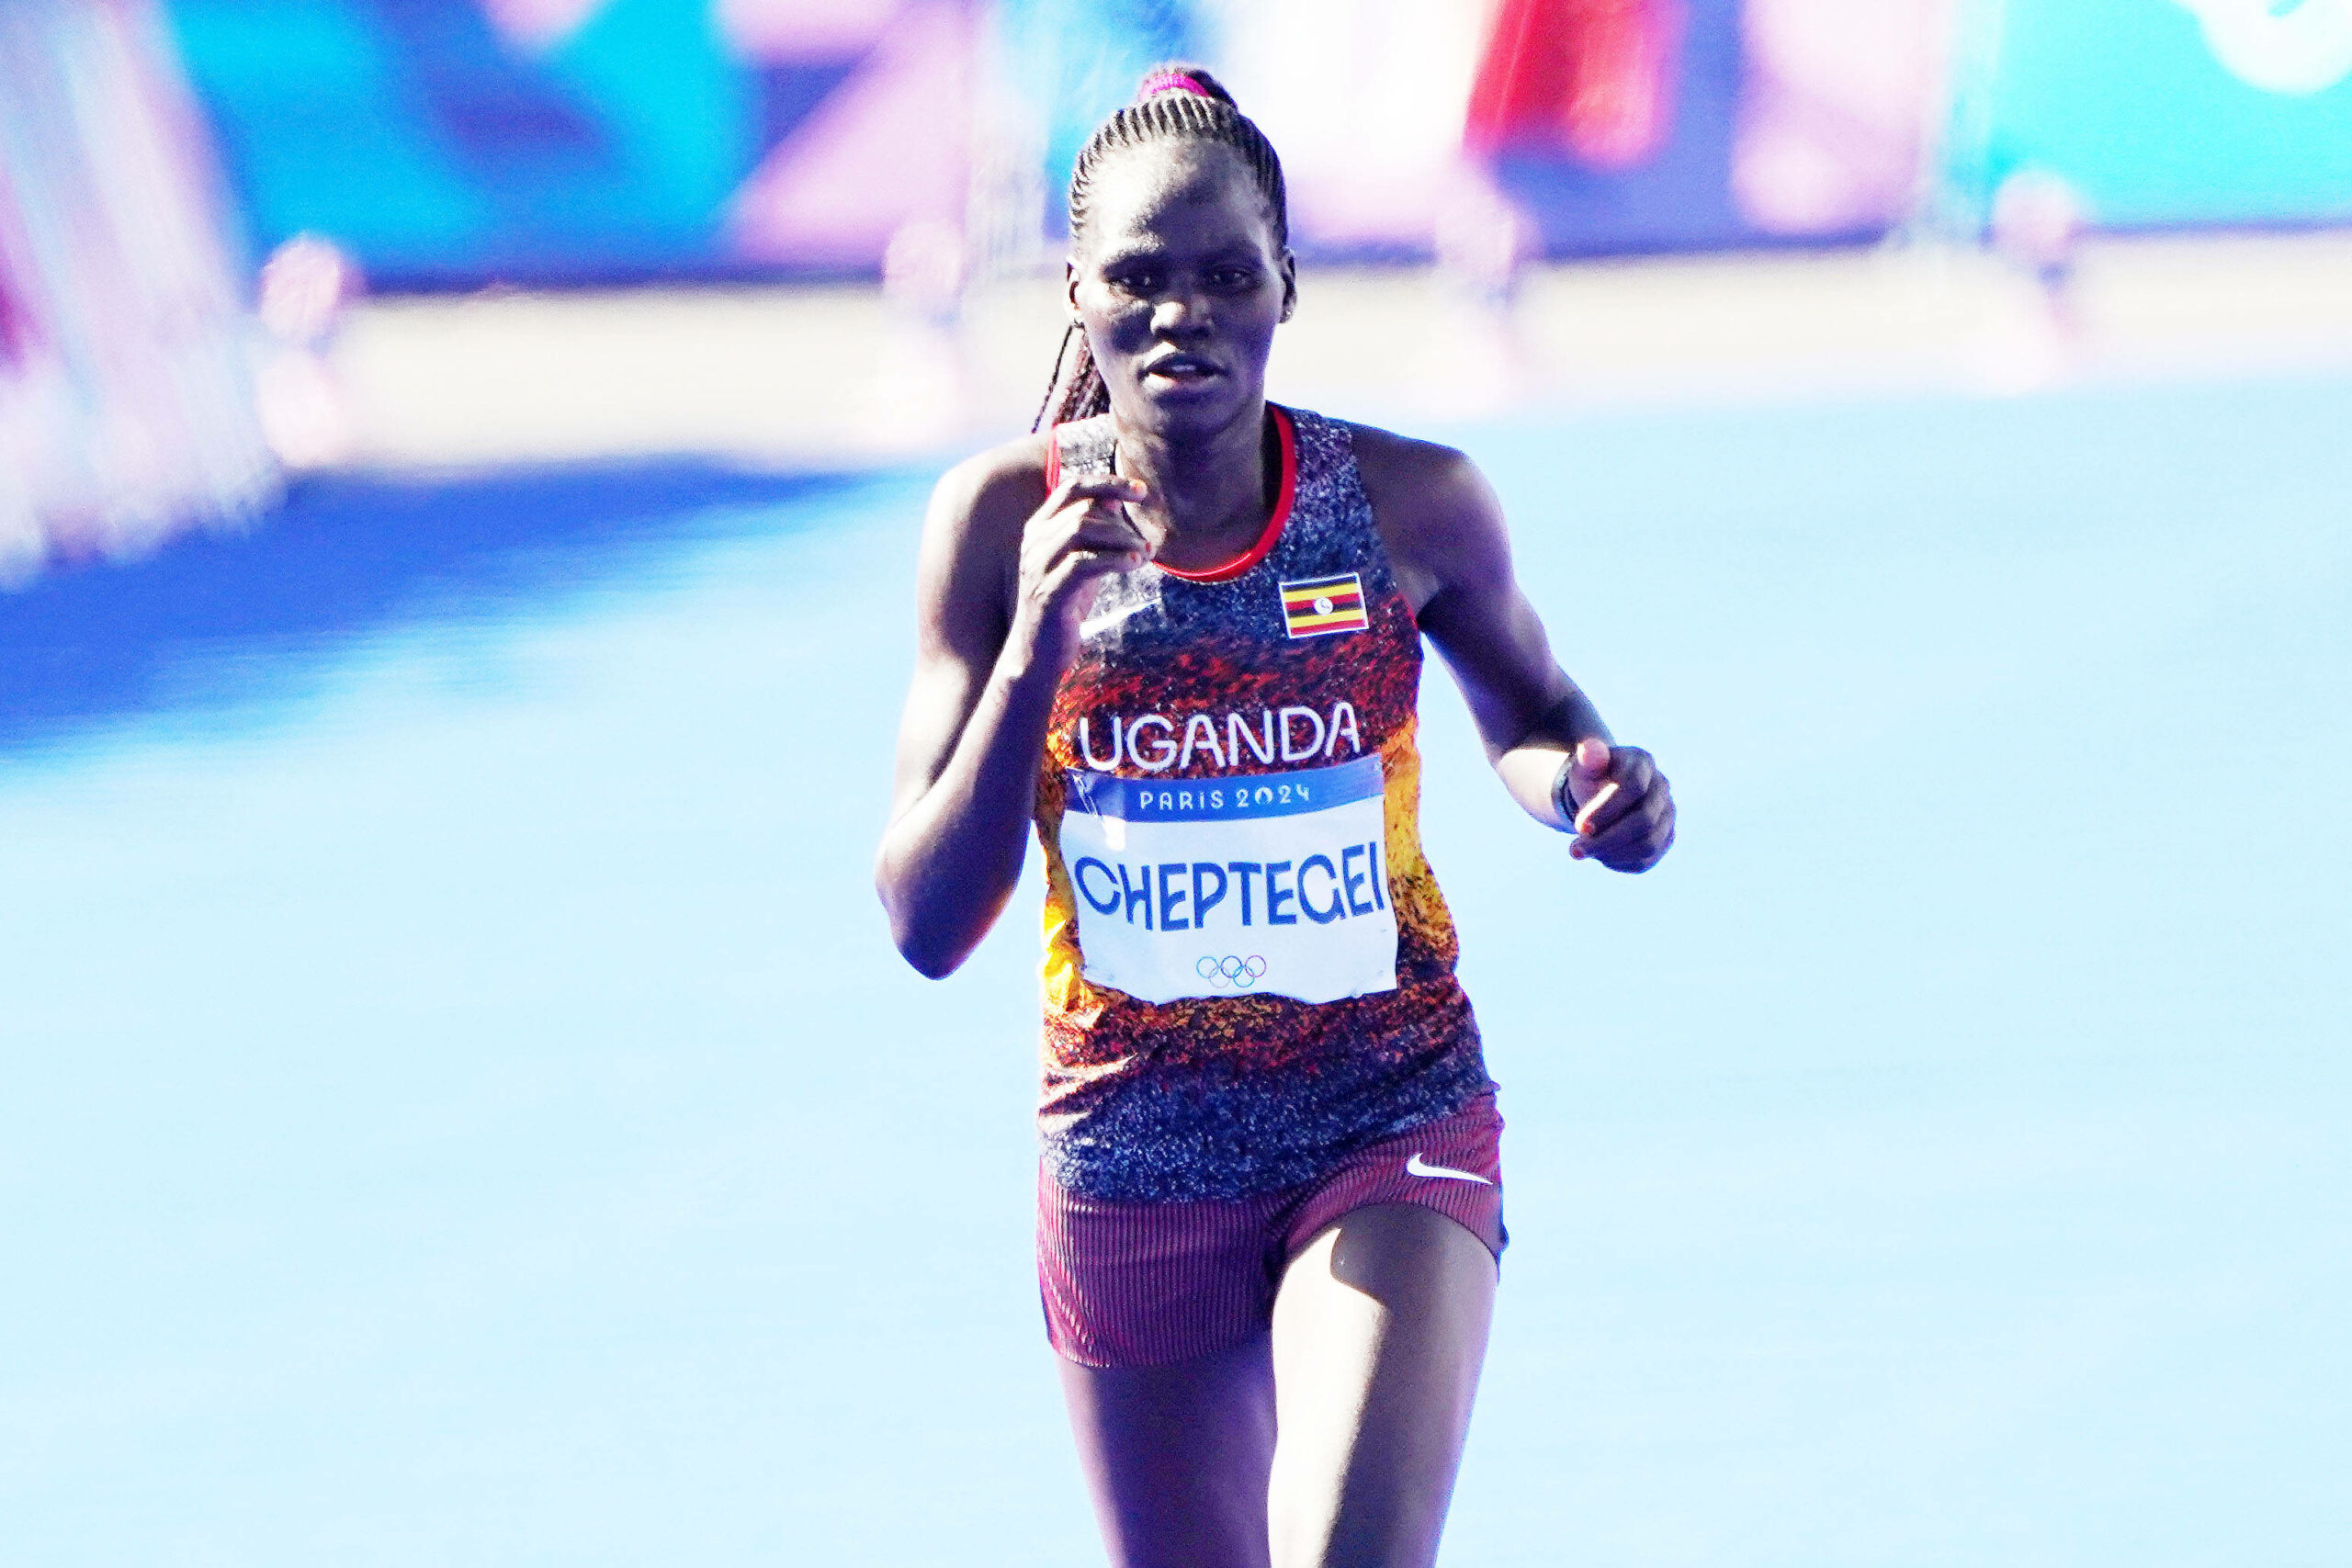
1211	500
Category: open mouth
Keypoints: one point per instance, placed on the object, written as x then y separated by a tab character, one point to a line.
1181	368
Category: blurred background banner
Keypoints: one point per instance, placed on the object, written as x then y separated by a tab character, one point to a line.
449	142
1839	104
194	194
125	408
2160	113
445	143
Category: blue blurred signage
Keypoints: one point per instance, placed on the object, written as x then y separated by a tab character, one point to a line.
2170	112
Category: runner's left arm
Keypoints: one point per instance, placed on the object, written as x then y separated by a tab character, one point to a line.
1444	529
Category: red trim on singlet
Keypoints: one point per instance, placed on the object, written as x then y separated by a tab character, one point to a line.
1284	496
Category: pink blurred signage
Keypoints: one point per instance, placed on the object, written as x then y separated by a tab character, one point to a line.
888	148
1837	107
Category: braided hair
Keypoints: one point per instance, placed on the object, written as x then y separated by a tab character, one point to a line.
1173	103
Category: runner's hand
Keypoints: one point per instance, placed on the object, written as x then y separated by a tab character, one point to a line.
1082	535
1624	811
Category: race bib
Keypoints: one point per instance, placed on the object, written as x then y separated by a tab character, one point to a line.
1236	886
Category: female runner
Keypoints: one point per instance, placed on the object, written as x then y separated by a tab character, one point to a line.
1179	633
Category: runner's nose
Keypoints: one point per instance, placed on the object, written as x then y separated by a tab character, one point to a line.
1179	316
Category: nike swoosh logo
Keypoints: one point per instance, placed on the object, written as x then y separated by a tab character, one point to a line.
1417	1165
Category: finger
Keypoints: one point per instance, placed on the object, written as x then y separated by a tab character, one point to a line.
1587	770
1651	857
1589	815
1051	528
1089	531
1638	837
1632	775
1076	571
1125	553
1098	531
1625	838
1075	497
1092	562
1643	814
1095	488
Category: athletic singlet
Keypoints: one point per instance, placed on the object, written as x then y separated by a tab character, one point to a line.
1248	969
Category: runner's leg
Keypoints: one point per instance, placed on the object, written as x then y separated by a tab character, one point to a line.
1379	1331
1177	1456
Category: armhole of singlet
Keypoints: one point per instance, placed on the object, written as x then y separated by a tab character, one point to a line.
1284	496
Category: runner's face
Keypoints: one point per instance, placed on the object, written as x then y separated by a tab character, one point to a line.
1179	285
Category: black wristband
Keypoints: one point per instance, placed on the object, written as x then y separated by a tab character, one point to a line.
1560	802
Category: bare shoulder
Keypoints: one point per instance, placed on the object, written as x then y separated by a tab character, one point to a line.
1437	513
971	544
1399	470
993	490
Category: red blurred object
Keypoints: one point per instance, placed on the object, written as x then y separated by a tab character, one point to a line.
1593	78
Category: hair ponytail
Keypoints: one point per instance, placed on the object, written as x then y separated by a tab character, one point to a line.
1174	102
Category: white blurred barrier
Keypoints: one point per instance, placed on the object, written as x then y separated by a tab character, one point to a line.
126	406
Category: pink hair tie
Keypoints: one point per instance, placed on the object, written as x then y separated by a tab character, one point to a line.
1160	82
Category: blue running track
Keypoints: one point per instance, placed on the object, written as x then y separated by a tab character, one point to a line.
460	1106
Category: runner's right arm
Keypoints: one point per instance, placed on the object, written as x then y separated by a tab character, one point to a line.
992	646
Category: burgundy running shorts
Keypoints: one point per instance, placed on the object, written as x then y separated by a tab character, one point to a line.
1144	1284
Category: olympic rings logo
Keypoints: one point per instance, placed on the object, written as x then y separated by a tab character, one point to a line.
1238	972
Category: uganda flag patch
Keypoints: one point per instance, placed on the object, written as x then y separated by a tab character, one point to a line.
1321	606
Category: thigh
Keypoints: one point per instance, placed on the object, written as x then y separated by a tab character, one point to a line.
1177	1456
1380	1329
